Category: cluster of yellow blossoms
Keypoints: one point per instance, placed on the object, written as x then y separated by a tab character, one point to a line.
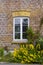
25	55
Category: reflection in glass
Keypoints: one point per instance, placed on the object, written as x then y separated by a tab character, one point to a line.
17	28
24	35
17	21
25	21
24	28
17	35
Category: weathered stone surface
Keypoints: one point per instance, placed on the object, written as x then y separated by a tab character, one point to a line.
6	38
7	7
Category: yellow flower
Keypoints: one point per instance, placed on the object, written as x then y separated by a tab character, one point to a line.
21	49
39	56
22	62
15	49
31	46
31	55
31	59
27	60
24	57
38	52
38	46
26	53
34	56
15	52
19	56
41	51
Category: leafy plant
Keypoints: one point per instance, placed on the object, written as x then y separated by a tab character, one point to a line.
30	35
40	42
1	52
24	55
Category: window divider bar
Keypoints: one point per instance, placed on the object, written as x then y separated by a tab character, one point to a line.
21	29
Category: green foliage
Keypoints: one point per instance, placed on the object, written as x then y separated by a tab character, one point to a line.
38	47
9	57
1	52
40	42
24	55
30	35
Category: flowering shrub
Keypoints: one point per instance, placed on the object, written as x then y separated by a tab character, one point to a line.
27	54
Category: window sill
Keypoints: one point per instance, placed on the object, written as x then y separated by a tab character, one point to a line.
20	41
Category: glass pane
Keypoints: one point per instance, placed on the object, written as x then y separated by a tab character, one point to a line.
17	21
17	35
17	28
25	21
24	36
24	28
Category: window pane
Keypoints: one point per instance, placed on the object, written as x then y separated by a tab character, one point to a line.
17	35
25	21
17	25
24	28
17	28
17	21
24	36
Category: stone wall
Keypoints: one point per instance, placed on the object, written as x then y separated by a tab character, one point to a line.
6	20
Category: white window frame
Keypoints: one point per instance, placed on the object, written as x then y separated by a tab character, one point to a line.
21	39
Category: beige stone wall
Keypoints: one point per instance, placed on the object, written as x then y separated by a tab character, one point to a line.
6	20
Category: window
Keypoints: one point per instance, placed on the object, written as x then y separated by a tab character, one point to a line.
20	25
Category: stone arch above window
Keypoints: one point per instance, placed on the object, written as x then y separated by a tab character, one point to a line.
21	13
